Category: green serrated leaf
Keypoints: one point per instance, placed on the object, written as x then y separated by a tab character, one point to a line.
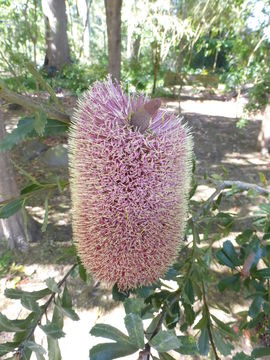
82	272
12	325
118	295
58	318
202	323
223	347
231	282
242	356
153	325
66	298
52	330
40	121
189	313
110	332
10	208
266	308
262	273
224	258
69	312
224	327
55	127
25	222
189	291
30	304
260	352
8	347
165	356
203	344
165	341
134	326
255	306
30	188
19	294
188	345
110	351
24	128
52	285
134	305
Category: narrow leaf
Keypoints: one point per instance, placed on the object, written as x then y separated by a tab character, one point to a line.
260	352
110	351
12	325
53	349
165	356
30	304
165	341
52	330
134	327
40	121
69	312
109	332
10	208
188	345
7	347
203	344
134	305
224	347
52	285
19	294
149	331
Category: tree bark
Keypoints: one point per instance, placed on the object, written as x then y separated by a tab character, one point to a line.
12	229
264	135
57	47
113	20
156	64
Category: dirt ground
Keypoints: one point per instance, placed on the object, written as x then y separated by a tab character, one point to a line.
218	144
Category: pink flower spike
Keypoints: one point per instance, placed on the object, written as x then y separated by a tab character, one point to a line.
129	187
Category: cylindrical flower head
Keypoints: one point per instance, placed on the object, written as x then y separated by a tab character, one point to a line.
130	168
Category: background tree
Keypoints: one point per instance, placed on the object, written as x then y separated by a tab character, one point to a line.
113	20
57	47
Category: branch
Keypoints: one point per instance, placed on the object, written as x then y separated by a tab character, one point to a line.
44	310
31	104
244	186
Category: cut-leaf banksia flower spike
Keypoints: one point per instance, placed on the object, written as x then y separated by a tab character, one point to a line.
130	165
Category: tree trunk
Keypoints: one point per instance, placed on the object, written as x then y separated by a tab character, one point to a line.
57	47
135	49
113	20
12	229
156	64
264	136
84	6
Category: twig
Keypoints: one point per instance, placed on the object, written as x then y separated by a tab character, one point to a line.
44	310
31	104
209	323
244	186
32	69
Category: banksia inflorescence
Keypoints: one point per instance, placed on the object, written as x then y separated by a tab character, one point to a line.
130	171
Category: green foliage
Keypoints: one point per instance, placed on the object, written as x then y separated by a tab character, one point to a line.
23	329
27	128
